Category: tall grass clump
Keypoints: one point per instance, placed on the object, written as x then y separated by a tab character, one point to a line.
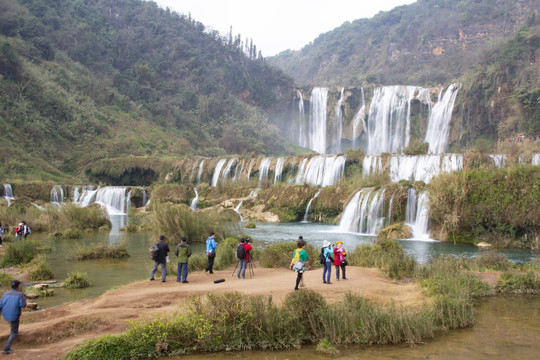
101	251
234	321
6	279
77	280
387	255
279	255
519	283
488	260
20	252
38	269
453	291
176	221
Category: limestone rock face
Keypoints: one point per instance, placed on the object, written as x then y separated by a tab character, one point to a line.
395	231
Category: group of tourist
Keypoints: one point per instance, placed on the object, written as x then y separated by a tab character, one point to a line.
21	231
521	138
330	255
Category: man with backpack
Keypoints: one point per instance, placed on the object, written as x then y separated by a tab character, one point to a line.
183	252
19	231
158	253
10	306
242	253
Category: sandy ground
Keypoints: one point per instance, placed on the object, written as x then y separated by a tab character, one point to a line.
49	333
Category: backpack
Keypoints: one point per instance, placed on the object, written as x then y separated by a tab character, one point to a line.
153	251
241	252
322	258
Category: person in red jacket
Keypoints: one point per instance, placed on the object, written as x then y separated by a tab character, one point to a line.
339	259
243	257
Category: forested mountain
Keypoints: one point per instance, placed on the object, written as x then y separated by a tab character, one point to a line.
85	80
429	42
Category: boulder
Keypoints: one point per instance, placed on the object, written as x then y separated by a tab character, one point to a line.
483	244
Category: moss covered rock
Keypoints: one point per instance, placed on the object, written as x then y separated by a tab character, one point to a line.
395	231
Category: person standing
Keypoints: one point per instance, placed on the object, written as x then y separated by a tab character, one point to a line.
299	260
327	251
211	246
19	231
10	305
339	260
26	229
183	252
243	262
161	259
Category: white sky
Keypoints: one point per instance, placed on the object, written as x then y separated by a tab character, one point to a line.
277	25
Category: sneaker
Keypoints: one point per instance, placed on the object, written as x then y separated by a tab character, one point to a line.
345	279
337	279
329	283
211	272
152	279
324	282
8	351
185	282
162	280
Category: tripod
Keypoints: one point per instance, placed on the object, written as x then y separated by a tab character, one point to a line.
249	267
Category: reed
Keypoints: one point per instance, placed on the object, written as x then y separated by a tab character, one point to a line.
77	280
100	251
519	283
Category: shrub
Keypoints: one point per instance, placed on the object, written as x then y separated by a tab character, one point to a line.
76	280
72	233
6	279
38	270
101	251
226	253
19	253
197	262
387	255
518	283
489	260
250	225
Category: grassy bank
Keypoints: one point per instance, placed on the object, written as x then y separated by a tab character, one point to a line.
234	321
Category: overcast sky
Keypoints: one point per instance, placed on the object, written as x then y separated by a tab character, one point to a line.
277	25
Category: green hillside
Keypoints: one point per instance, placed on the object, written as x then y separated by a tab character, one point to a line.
87	80
429	42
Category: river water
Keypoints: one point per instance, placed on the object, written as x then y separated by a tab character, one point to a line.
107	274
507	327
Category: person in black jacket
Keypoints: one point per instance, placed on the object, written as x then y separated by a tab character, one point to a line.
163	251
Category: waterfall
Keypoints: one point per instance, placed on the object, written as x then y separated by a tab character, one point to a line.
217	171
192	174
250	167
410	213
76	194
389	119
263	169
359	117
199	174
536	160
195	200
237	209
8	193
57	195
321	171
227	172
144	201
439	121
499	160
113	198
279	169
317	126
237	172
253	193
420	226
302	139
389	222
424	167
128	200
309	205
338	123
371	164
363	214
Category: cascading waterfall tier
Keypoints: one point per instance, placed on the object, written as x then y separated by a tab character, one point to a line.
279	170
113	198
417	215
316	139
321	170
364	212
423	167
217	171
499	160
263	169
8	193
57	195
195	200
306	214
439	121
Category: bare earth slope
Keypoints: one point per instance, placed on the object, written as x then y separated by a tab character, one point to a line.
50	333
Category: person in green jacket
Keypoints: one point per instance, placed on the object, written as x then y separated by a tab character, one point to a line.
183	252
299	260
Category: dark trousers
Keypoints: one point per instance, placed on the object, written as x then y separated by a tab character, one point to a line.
163	270
298	279
210	265
182	271
342	270
13	334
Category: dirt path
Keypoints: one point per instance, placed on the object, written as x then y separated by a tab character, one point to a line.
49	333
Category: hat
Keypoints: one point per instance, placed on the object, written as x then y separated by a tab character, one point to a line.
15	284
339	242
326	243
